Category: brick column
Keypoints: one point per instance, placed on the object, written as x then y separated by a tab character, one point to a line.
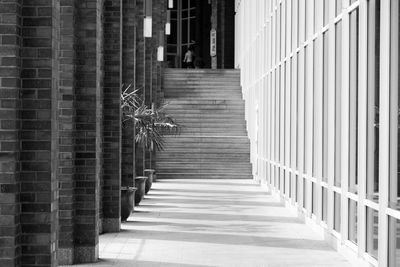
88	149
39	132
112	116
10	29
129	78
67	126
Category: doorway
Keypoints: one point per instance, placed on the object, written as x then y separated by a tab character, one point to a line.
190	26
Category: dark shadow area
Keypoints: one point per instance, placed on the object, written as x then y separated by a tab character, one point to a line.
220	217
204	183
219	202
210	191
230	228
231	239
139	263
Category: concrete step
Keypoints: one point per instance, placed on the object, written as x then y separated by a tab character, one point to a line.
182	139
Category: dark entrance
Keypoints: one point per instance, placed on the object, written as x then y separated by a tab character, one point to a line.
190	26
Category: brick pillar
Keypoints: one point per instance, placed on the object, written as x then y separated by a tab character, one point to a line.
128	78
10	29
88	149
39	132
112	116
67	126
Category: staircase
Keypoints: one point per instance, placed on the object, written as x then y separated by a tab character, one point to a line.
213	142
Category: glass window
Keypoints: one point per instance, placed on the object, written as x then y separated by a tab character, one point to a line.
277	35
300	112
337	212
326	11
353	221
338	7
185	4
309	15
306	107
314	205
302	21
373	100
325	107
317	14
305	192
295	24
353	94
338	95
395	108
317	105
394	242
296	192
185	31
324	204
372	232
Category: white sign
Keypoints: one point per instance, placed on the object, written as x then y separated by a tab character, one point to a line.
213	42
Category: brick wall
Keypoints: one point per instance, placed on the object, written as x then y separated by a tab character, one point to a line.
39	132
10	30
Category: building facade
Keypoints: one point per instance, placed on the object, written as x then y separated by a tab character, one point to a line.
320	80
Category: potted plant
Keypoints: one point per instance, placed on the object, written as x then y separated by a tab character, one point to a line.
150	125
127	201
150	175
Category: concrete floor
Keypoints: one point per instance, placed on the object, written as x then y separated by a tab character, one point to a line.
214	223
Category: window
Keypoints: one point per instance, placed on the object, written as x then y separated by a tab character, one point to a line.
353	221
326	11
338	5
394	242
325	88
353	94
338	95
337	212
372	232
324	204
394	197
373	100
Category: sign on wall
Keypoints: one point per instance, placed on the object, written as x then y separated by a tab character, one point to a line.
213	42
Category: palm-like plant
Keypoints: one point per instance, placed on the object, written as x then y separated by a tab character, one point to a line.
151	124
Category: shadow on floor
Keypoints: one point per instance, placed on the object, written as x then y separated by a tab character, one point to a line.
217	217
228	239
211	191
139	263
241	184
214	201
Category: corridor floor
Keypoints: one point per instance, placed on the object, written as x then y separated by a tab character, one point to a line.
214	223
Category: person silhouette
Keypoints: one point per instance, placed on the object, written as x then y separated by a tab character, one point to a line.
189	58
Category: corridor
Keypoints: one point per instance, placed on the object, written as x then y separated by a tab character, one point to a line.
214	223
